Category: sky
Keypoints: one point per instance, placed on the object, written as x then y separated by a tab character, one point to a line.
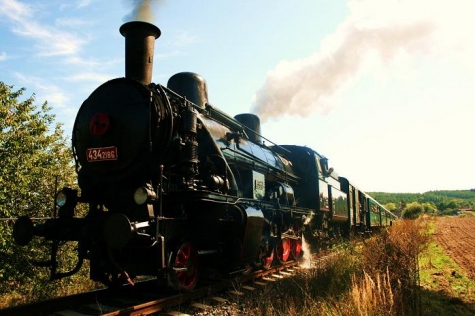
385	89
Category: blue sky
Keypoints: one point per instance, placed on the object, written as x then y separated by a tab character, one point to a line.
384	88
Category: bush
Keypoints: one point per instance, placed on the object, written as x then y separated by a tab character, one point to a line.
413	210
449	212
395	252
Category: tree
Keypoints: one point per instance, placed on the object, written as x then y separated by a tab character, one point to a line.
34	161
32	155
429	208
391	206
412	210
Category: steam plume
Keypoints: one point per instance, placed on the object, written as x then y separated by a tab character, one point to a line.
374	28
142	10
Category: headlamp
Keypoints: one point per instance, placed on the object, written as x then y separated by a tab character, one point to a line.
66	197
144	194
61	199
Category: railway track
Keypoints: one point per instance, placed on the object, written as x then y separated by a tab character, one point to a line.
147	299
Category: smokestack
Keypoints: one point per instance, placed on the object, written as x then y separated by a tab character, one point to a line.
139	45
253	123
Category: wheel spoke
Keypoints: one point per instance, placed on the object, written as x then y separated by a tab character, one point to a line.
283	250
267	261
186	257
296	248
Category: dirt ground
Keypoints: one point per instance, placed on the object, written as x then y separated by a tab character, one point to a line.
457	236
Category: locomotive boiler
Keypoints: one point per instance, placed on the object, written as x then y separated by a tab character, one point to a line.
176	188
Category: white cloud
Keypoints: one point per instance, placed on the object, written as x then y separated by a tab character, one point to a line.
3	56
83	3
89	76
71	22
45	90
168	54
182	38
50	41
15	11
178	46
79	4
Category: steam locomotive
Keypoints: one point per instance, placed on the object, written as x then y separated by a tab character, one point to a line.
177	189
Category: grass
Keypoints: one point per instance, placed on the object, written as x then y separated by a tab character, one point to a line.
35	285
467	214
378	277
339	289
446	289
399	272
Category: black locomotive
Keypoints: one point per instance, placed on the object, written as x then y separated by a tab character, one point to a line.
178	189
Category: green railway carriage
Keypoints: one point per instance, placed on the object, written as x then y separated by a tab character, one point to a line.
377	215
364	212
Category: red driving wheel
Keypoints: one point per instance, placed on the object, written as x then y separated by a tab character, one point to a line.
296	248
186	268
283	250
267	261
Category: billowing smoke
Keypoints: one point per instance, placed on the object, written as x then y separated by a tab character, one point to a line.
142	10
374	30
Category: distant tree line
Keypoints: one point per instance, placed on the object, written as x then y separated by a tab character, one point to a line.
412	205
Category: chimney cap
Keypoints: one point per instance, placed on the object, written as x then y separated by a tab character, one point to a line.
141	27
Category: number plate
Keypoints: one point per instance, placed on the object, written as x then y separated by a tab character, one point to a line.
101	154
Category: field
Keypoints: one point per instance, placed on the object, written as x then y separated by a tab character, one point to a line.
447	268
457	236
